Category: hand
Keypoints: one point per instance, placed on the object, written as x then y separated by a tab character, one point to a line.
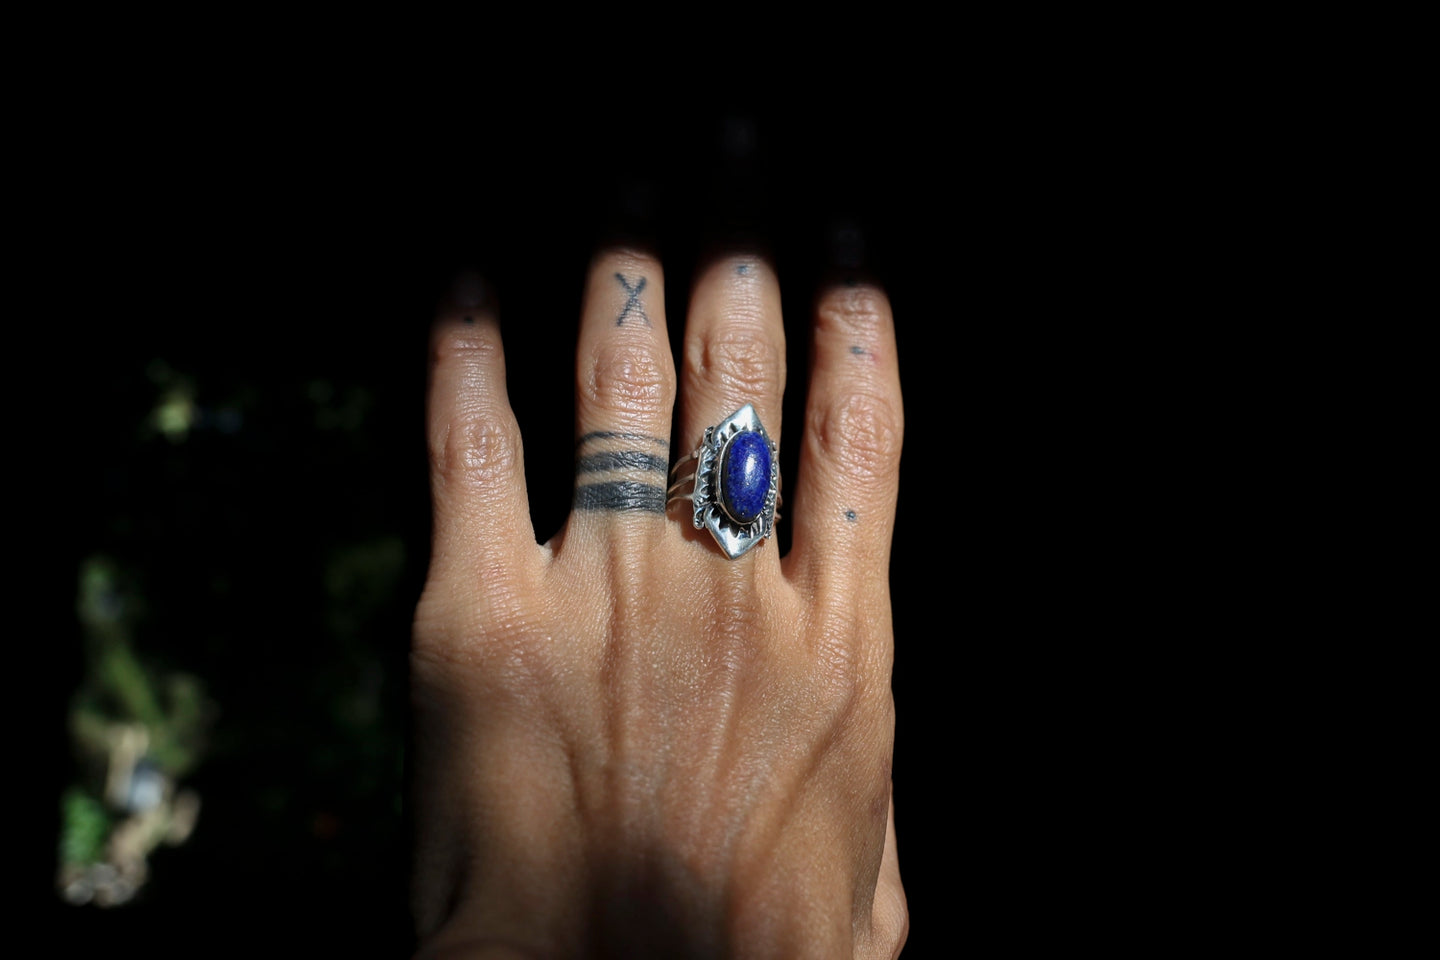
628	744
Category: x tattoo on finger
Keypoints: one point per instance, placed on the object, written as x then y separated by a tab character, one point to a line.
632	300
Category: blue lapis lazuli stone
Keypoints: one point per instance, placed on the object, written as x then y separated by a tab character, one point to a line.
746	476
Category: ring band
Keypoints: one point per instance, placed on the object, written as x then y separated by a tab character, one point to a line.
734	483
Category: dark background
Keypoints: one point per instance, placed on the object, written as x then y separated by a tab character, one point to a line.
285	266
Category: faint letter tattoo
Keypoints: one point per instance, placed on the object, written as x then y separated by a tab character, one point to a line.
632	300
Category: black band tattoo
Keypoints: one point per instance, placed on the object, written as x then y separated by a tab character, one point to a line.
620	495
620	460
632	300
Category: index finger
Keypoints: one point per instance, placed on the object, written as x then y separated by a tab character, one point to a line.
477	479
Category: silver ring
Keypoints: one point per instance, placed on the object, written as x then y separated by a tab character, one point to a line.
733	482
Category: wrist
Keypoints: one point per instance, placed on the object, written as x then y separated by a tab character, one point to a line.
646	908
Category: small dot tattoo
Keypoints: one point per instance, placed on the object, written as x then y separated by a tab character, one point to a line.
858	350
469	319
743	269
850	515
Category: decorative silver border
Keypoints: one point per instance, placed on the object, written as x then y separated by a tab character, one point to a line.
734	538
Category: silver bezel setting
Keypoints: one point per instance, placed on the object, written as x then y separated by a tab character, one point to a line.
734	538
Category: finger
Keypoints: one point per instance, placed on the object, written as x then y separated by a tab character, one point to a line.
844	504
734	351
477	478
625	390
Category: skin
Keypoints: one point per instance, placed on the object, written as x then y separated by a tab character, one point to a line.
626	744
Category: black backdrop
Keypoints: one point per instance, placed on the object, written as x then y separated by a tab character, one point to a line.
289	263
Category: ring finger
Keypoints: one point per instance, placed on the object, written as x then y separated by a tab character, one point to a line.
625	390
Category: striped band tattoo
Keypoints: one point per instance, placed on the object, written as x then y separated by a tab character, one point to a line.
620	460
608	452
620	495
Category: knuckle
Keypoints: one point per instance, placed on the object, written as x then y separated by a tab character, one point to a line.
733	625
848	676
464	347
630	376
846	673
437	636
475	450
500	647
512	662
863	311
862	432
745	362
836	662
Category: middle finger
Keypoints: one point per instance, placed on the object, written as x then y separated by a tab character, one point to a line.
734	350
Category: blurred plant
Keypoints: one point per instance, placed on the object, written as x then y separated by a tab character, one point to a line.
176	412
137	732
86	825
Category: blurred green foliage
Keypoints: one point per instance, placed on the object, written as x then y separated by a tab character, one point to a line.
249	569
119	688
85	825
